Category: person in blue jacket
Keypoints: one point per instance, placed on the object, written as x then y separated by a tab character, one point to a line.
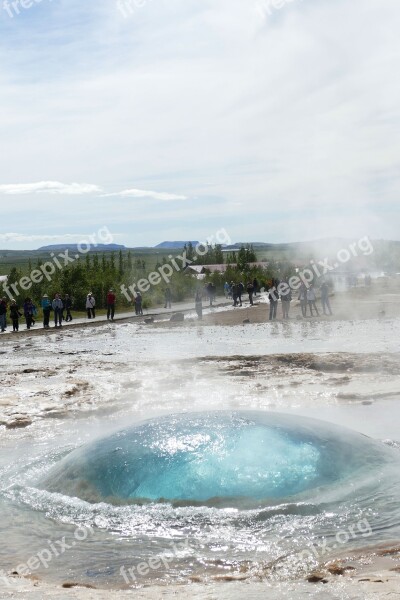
46	308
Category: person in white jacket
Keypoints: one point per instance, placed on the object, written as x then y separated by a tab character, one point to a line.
90	305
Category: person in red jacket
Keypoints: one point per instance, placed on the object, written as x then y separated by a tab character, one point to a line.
110	305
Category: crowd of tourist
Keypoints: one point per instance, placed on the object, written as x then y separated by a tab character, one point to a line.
61	306
276	291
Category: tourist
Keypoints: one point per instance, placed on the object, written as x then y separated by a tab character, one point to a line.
273	298
239	291
138	304
311	299
15	315
198	302
234	291
3	314
28	312
210	289
46	308
58	307
303	299
250	291
326	305
68	307
110	305
255	286
286	298
167	296
34	312
90	306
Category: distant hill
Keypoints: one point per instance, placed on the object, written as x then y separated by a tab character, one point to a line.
74	247
174	245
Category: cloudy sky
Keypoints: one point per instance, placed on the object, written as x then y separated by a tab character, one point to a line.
170	119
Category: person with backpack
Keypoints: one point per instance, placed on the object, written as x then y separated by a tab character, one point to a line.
46	308
90	306
110	305
15	315
58	308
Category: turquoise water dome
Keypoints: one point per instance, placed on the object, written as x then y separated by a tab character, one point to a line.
202	457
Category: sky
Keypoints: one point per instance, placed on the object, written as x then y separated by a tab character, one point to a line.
275	120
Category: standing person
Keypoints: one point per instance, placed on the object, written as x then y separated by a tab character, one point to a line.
15	315
198	303
311	299
234	293
227	289
167	296
3	314
68	306
90	306
326	305
303	299
210	292
110	305
28	312
46	308
250	291
273	298
214	292
34	313
240	290
58	308
255	286
286	298
138	304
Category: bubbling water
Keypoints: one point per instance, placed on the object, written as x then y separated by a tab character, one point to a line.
220	457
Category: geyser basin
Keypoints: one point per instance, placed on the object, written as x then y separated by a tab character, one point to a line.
219	455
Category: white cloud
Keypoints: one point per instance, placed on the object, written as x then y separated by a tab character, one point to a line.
49	187
290	121
134	193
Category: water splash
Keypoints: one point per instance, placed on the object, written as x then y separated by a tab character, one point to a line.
215	457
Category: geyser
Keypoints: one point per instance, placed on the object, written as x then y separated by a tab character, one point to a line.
198	457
